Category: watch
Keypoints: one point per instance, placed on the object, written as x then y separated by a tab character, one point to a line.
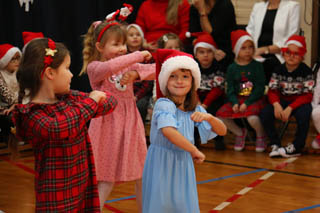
267	51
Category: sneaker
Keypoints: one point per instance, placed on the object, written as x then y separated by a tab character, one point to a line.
289	151
316	143
261	144
240	141
274	151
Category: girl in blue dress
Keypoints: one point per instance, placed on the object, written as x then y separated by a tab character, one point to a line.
169	182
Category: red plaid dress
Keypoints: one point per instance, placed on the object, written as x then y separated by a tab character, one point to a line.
65	178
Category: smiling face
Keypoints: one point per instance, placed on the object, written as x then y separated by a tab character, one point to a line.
113	47
62	78
179	83
134	39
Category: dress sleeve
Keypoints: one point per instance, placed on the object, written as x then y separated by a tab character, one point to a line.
164	113
99	70
205	129
5	94
145	71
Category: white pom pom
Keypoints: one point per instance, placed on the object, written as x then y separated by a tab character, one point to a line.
188	34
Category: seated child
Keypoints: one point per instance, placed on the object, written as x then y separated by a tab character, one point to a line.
316	112
170	41
245	90
142	89
290	93
9	87
211	90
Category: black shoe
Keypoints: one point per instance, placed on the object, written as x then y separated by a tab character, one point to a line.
219	143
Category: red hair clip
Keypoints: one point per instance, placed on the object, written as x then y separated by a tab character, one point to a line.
50	52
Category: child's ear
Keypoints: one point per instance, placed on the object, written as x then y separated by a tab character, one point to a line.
98	46
49	73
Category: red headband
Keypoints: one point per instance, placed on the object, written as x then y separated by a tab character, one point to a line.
104	29
49	54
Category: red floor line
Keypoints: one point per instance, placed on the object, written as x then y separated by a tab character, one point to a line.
21	166
112	209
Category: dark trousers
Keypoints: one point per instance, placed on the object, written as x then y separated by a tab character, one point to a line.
302	115
142	105
5	127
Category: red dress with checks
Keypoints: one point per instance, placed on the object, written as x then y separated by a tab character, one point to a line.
65	178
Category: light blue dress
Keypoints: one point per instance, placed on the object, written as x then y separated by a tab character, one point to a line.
169	182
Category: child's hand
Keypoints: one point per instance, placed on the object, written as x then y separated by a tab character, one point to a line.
199	116
243	107
98	96
235	108
197	156
285	114
219	55
277	111
129	77
7	111
146	54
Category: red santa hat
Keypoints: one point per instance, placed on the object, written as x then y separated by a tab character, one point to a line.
238	37
7	52
137	27
168	61
203	39
28	36
297	40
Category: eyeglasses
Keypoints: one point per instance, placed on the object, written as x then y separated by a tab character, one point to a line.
295	54
15	59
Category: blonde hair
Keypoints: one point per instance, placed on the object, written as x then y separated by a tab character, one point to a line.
90	52
172	11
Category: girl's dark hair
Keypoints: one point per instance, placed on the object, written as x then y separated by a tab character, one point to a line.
32	65
191	100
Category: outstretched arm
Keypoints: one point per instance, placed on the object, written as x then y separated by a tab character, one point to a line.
175	137
216	124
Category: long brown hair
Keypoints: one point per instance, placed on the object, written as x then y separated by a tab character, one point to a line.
32	65
90	52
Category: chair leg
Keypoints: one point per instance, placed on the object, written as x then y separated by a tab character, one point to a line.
13	147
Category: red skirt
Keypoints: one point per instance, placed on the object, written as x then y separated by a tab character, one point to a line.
253	109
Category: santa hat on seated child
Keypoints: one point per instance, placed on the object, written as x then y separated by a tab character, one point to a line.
29	36
7	52
297	40
137	27
238	37
168	61
203	39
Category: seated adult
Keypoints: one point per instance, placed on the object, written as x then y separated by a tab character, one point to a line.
216	17
158	17
271	23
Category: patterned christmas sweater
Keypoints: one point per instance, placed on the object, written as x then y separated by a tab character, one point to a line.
295	87
212	83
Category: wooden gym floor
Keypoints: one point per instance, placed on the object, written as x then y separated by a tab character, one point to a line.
228	181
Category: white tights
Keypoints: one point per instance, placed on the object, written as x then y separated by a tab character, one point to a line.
105	189
253	120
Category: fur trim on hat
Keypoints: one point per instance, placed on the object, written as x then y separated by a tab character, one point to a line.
4	61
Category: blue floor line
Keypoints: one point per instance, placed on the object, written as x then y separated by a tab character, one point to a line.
199	182
303	209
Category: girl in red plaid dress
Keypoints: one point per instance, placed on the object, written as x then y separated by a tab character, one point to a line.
54	123
245	89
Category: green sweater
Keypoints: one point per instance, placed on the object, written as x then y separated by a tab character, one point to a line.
237	74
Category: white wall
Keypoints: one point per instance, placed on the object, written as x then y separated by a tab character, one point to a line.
243	10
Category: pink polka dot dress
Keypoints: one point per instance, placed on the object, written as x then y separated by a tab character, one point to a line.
118	139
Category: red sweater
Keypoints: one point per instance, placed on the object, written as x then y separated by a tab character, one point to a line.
152	19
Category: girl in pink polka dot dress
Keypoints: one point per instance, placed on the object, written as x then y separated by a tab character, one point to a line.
118	140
